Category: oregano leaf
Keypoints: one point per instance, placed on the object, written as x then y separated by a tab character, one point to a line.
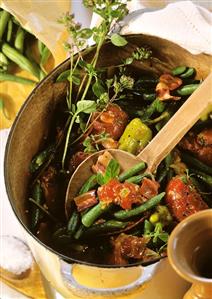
86	106
118	40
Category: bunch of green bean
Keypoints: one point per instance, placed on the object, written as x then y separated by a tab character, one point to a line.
13	49
83	225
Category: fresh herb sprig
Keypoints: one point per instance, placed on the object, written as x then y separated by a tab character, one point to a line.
111	11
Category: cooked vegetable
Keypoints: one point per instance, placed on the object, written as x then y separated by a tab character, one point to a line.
187	89
3	22
94	213
132	171
89	184
135	137
195	163
182	198
73	223
37	195
19	39
179	70
122	215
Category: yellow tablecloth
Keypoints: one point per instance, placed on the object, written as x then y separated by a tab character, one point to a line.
40	17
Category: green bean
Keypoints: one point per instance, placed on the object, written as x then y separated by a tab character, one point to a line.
189	72
9	30
206	197
89	184
125	214
17	79
80	232
37	196
107	226
207	179
19	39
132	171
195	163
3	60
187	89
21	60
162	175
178	70
41	158
73	223
3	22
41	47
138	178
94	213
45	56
148	227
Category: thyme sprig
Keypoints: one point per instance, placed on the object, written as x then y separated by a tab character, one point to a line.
110	11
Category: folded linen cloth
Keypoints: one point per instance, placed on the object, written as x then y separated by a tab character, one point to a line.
181	22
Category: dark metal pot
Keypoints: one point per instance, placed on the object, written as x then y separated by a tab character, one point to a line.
30	125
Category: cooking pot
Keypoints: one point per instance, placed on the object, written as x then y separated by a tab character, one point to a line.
26	135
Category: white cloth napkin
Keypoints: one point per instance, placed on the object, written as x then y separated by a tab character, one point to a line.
183	22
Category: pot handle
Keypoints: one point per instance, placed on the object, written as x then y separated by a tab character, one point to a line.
84	291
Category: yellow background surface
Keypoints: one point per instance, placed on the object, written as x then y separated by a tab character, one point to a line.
41	18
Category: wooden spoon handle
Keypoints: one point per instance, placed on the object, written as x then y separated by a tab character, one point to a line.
178	125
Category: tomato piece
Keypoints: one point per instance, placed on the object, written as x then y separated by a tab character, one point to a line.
183	199
123	194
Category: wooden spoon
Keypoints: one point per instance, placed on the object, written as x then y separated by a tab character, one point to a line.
167	138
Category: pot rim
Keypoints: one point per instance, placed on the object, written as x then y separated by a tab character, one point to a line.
8	191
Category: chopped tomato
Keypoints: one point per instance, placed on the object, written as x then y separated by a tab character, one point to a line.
149	188
183	199
123	194
113	121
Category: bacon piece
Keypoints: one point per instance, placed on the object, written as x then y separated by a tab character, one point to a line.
102	162
171	82
109	143
167	83
183	199
149	188
199	144
113	121
163	92
86	200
